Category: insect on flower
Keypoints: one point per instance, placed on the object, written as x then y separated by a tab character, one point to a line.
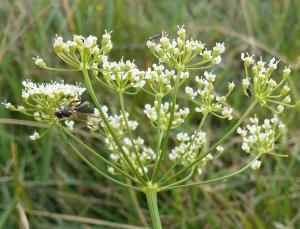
70	110
154	37
249	90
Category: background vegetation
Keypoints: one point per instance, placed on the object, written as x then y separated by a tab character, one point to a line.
44	183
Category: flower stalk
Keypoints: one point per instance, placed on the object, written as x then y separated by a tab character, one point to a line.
153	209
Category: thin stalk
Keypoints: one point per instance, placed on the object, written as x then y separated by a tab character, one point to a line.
174	164
93	166
227	135
166	138
130	135
153	208
218	179
106	122
158	138
76	139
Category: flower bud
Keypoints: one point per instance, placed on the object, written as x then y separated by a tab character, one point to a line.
256	165
107	48
181	33
34	136
106	38
286	72
39	62
58	44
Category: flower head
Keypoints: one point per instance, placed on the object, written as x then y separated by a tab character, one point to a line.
43	100
260	138
183	53
188	149
259	83
206	98
123	75
80	52
164	111
161	80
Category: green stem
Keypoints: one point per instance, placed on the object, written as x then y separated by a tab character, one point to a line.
158	138
174	164
76	139
130	135
228	134
166	138
153	208
91	165
106	122
174	186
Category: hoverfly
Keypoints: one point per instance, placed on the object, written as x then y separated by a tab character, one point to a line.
70	110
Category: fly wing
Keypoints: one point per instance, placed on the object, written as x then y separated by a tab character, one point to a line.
80	116
82	106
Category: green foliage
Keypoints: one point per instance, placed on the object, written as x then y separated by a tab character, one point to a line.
50	183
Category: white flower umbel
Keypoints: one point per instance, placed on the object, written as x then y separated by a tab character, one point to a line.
122	75
207	100
189	149
185	53
161	80
80	52
43	100
260	138
180	114
260	85
53	90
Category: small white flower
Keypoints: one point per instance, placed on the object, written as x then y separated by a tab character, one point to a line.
183	137
106	37
220	149
34	136
227	112
280	108
287	99
21	108
189	91
39	62
286	72
8	106
273	64
256	165
248	60
111	170
181	32
199	170
90	42
245	83
209	76
246	147
96	113
69	124
218	49
231	86
58	42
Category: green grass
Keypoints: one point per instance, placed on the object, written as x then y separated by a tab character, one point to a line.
57	190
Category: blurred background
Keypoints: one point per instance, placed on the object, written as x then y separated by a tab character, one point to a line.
44	183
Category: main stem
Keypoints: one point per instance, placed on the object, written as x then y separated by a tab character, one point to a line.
153	208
